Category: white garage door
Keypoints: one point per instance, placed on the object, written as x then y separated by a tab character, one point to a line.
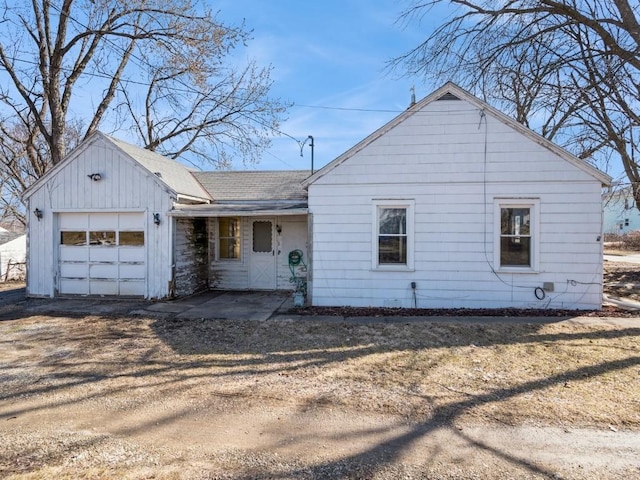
101	254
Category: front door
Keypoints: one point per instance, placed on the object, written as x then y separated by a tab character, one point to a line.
262	259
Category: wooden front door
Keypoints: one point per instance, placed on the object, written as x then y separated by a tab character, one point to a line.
262	257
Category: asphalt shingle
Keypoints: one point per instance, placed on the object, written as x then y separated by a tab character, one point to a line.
251	185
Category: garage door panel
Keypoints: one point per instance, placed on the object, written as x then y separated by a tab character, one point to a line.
103	254
131	271
103	287
73	221
73	270
73	254
109	271
132	254
74	287
133	288
103	221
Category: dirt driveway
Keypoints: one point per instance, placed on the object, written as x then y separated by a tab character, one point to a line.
134	397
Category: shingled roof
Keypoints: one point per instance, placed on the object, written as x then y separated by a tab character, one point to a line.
252	186
177	176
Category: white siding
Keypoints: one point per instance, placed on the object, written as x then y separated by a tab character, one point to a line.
437	159
234	274
12	259
124	187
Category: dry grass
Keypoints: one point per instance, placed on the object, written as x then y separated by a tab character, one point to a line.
553	374
58	371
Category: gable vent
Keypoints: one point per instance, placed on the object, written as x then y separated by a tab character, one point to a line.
448	96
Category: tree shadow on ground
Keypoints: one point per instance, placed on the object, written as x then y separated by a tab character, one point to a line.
252	349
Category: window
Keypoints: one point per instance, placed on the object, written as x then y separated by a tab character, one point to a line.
105	239
262	236
132	239
393	242
73	238
517	235
229	238
392	236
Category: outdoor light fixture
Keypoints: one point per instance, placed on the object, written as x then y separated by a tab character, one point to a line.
94	176
156	218
38	213
311	144
278	229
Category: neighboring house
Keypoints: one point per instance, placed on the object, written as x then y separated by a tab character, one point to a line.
13	252
621	215
451	204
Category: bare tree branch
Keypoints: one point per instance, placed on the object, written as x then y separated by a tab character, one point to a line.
57	58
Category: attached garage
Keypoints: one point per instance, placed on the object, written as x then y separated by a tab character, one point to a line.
99	223
102	253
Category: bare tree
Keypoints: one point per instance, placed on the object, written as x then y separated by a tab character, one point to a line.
163	69
569	69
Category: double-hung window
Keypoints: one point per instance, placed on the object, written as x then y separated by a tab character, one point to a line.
517	234
393	235
229	238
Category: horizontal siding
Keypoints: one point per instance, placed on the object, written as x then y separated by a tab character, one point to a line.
436	159
234	275
229	274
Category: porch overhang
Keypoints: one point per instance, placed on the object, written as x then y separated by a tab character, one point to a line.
258	209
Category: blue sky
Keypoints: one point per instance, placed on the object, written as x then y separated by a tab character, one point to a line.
329	59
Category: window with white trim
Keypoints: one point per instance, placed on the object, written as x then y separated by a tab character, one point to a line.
517	234
393	235
229	238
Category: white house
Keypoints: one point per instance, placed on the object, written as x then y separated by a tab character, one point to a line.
451	204
13	252
115	219
454	204
621	215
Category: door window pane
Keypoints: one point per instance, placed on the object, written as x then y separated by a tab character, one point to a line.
262	236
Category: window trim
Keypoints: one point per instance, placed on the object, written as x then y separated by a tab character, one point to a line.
533	204
409	205
220	237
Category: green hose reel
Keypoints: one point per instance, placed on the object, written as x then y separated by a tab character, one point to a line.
295	260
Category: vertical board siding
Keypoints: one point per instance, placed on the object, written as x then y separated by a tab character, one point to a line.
124	186
437	159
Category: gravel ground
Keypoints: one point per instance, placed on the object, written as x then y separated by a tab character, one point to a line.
131	397
120	396
622	280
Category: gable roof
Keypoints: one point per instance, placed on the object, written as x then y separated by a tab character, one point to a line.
176	176
250	185
171	174
451	91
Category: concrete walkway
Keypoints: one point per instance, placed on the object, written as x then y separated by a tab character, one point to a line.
224	305
635	258
261	306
